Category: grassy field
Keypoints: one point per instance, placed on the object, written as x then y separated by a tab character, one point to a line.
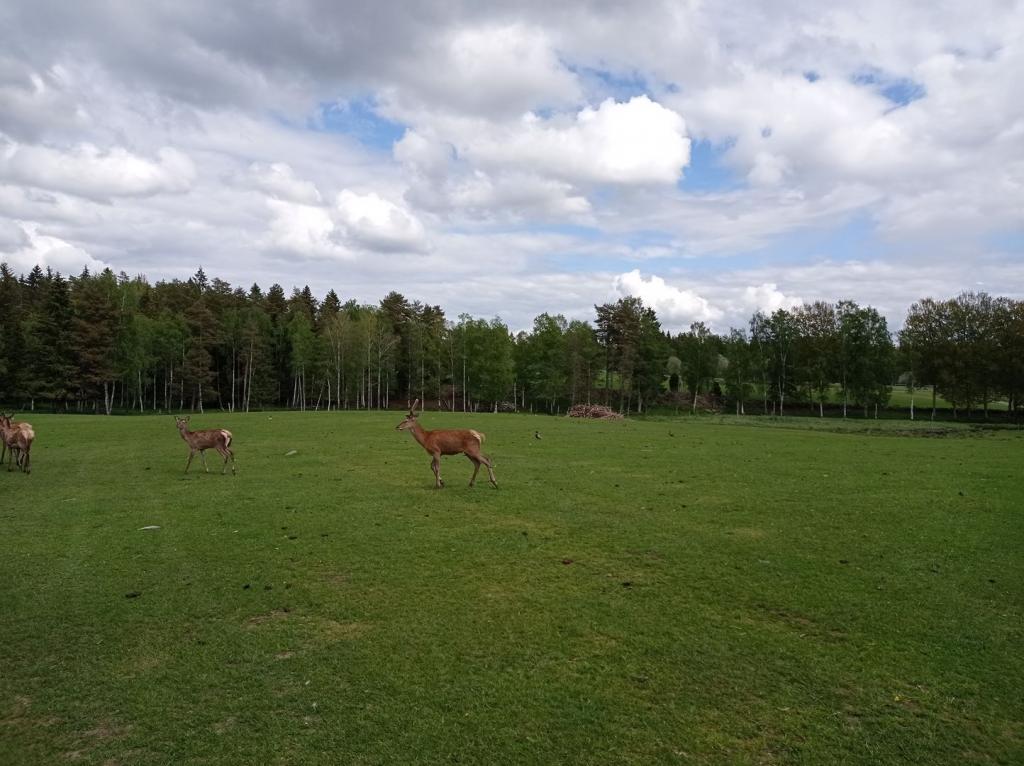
663	591
900	397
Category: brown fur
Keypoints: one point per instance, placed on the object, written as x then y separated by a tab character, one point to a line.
448	442
210	438
18	438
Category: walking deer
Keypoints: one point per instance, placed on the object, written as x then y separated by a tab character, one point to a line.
200	441
447	442
17	438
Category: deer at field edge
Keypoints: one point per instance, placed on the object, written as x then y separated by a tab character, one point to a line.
200	441
18	438
448	442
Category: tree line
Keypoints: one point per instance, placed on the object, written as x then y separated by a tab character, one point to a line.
104	342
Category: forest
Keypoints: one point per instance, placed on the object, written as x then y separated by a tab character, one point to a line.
108	343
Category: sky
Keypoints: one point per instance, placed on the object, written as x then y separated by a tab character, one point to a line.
507	159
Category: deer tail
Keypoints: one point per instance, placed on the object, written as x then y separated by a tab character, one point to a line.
227	437
478	436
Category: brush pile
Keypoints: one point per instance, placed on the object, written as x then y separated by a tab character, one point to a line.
598	411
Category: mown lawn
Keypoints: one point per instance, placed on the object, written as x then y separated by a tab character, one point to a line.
664	591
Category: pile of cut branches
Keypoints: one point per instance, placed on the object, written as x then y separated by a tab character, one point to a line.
593	411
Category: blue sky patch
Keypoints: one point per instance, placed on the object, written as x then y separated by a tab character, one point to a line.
358	119
707	172
619	86
900	90
1009	241
589	233
853	240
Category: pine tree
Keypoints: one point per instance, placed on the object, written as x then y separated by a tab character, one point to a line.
198	363
55	359
94	333
12	354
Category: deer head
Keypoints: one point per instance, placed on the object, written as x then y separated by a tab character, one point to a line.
410	419
181	423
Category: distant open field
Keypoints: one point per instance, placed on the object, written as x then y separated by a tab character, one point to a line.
922	396
901	396
662	591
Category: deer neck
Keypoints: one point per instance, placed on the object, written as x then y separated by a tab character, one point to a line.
419	434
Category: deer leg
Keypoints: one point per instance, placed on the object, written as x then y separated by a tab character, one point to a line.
476	469
490	470
26	461
435	464
228	455
191	454
202	455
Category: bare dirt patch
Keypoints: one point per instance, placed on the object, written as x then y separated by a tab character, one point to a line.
332	630
804	624
276	615
107	730
225	725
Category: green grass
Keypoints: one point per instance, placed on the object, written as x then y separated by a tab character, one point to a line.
901	395
733	594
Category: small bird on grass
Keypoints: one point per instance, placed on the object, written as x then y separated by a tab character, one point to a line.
536	434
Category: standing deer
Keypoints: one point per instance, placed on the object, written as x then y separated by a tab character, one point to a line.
5	423
200	441
458	442
18	438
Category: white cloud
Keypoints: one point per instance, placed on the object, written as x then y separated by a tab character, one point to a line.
768	298
636	142
303	230
503	197
378	224
423	153
768	169
494	69
676	307
12	236
88	171
279	180
35	101
542	165
34	248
